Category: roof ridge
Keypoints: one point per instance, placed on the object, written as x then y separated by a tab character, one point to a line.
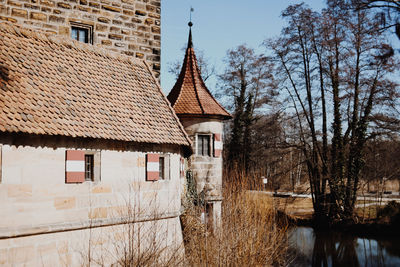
65	42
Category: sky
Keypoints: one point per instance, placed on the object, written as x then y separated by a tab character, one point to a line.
219	25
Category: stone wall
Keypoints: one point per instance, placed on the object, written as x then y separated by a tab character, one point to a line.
45	219
204	167
131	27
207	170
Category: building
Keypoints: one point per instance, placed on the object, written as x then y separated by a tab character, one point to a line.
131	27
202	117
90	153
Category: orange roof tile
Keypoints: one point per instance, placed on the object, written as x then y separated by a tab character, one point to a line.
55	86
190	96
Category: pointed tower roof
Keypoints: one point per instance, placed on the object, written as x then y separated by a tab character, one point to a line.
190	96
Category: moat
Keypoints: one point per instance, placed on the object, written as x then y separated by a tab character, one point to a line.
334	248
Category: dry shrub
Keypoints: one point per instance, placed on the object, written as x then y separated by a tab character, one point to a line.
251	234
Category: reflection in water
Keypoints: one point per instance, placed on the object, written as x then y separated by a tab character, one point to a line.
323	249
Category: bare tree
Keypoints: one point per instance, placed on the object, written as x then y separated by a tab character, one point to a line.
244	86
388	10
332	68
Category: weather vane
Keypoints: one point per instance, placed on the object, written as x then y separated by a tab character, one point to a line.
190	21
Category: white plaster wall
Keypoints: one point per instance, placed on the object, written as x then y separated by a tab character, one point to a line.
35	198
163	239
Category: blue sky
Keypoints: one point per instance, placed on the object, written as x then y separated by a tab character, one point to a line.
219	25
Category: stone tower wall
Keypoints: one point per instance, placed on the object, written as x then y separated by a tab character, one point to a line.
204	167
131	27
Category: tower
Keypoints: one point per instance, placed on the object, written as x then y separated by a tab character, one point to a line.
202	117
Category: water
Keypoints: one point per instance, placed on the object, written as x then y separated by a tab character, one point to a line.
311	248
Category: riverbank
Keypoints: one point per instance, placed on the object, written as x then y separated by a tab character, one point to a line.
298	211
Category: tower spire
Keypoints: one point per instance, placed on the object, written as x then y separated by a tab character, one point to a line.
190	96
190	43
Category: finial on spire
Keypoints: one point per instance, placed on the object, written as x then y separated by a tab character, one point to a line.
190	44
190	20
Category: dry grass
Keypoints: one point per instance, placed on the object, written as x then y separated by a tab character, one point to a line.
251	234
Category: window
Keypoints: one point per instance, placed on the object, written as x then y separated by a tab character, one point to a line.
81	32
161	168
157	167
89	167
81	166
203	145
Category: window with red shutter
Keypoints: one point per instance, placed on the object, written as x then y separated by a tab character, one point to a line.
81	166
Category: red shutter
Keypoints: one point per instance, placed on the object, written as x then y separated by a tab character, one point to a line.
217	145
152	167
75	166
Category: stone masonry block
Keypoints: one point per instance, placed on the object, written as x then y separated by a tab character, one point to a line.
94	4
46	9
98	213
19	190
128	12
101	27
156	29
154	15
47	3
64	5
19	13
3	257
4	10
38	16
151	8
62	203
56	19
63	30
111	8
103	19
34	7
115	36
14	3
140	161
140	13
82	8
8	19
101	189
106	42
21	254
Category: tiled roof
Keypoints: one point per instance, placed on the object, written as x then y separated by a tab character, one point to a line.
190	95
55	86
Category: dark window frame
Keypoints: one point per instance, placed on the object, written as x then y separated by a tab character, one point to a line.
89	167
202	148
79	27
161	167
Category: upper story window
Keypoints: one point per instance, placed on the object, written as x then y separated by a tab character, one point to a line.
82	32
203	145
